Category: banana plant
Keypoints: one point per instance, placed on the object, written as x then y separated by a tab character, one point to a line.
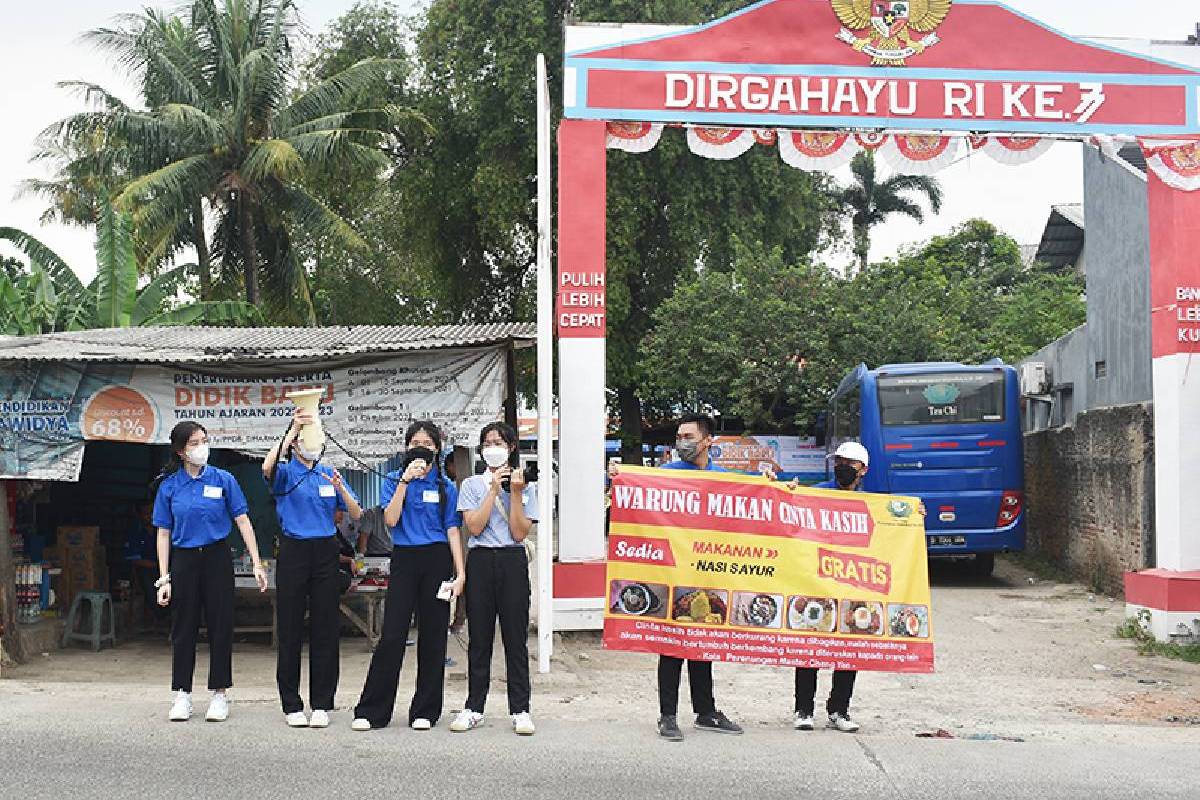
50	297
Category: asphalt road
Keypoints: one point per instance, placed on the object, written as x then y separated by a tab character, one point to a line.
55	746
1017	657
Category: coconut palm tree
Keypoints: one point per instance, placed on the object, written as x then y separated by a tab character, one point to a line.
871	201
49	296
225	140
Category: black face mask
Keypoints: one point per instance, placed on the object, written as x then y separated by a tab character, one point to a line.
845	474
424	453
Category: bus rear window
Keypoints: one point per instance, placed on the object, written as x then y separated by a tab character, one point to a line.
941	399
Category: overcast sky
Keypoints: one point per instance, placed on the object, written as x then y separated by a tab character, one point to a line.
39	46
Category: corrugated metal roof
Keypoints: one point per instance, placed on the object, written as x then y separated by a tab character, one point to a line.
199	345
1062	239
1133	155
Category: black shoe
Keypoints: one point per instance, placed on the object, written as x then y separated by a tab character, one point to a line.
668	728
717	723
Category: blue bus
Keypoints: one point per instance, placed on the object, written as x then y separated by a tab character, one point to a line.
950	434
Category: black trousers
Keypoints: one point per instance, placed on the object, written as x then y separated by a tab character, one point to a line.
498	586
700	683
417	573
306	580
202	580
839	695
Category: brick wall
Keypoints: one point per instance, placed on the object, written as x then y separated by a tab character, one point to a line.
1090	494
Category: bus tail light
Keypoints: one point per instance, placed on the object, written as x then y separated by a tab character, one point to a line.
1011	505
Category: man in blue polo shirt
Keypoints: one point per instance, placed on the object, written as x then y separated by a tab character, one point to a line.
849	467
693	438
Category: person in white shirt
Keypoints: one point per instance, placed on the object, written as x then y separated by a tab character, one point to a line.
499	509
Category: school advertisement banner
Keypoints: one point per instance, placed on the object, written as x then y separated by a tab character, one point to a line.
49	410
788	456
722	567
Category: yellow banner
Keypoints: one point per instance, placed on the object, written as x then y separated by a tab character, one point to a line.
722	567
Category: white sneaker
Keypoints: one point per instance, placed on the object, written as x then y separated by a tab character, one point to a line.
421	724
320	719
802	722
466	720
296	719
218	708
843	723
181	709
360	724
523	724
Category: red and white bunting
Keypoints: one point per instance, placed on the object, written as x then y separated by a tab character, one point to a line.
1013	149
765	136
634	137
871	140
919	153
814	151
1177	162
722	144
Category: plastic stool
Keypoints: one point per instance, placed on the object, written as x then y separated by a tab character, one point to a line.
96	601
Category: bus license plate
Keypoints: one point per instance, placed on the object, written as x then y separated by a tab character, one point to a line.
943	541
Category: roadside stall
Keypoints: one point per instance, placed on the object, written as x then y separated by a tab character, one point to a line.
85	418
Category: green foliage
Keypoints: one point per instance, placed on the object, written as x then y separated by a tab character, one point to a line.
743	340
383	283
223	137
1042	307
116	276
38	299
11	268
767	342
870	201
1137	629
959	297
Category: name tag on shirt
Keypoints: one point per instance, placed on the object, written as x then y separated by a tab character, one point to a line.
214	492
431	496
328	490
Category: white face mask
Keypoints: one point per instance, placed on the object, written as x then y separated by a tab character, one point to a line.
494	456
305	454
197	456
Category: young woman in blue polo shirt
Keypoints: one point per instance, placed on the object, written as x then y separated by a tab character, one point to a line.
307	494
192	511
419	507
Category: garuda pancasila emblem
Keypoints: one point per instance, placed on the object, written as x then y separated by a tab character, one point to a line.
888	27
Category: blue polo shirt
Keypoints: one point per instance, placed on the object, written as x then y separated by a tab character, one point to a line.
198	511
496	531
422	520
306	511
709	467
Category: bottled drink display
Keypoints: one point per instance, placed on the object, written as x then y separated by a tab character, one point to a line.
29	592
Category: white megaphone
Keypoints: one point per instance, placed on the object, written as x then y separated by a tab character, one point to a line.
312	435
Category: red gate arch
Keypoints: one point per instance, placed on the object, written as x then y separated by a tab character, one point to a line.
820	79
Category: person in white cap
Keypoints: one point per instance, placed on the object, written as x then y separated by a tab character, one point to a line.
849	466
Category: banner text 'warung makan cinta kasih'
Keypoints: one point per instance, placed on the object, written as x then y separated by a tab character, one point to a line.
723	567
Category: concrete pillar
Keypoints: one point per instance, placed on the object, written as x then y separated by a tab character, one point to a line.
1171	591
581	322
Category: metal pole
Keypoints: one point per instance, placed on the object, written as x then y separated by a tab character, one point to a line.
545	379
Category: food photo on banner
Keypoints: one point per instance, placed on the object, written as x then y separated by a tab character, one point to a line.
727	567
